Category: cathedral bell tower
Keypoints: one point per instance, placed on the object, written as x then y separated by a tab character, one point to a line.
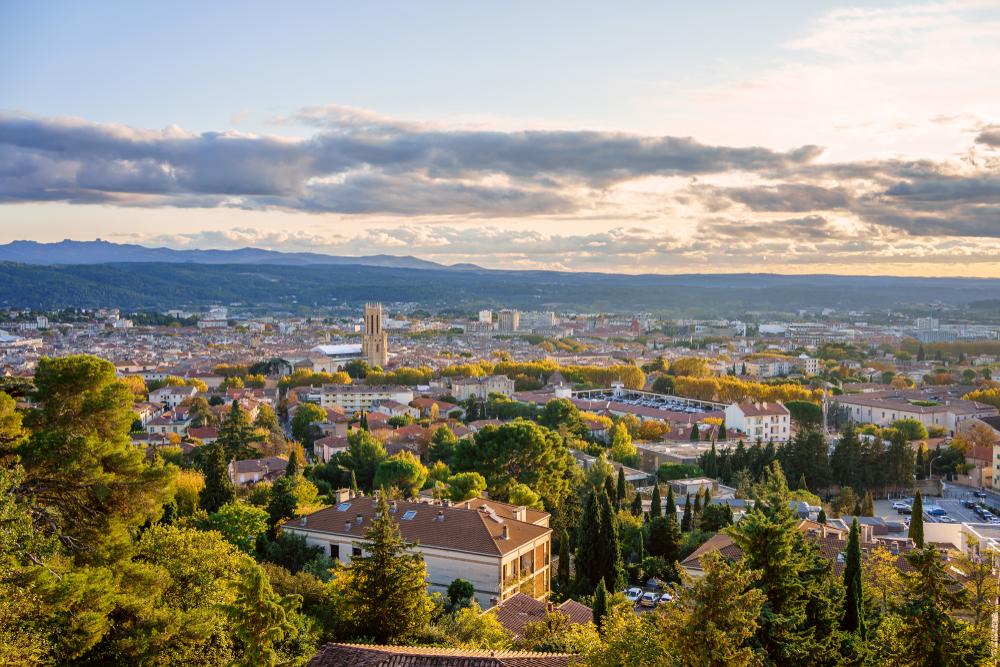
373	341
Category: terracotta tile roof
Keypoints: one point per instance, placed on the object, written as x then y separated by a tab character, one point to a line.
259	465
468	530
750	409
517	611
347	655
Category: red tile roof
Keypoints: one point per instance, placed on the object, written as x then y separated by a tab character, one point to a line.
357	655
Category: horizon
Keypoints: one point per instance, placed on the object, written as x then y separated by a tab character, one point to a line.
816	138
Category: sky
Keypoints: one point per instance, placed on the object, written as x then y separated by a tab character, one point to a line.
638	137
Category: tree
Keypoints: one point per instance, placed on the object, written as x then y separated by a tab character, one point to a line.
715	517
921	464
236	434
920	353
442	447
686	519
979	567
283	503
293	465
821	518
357	369
671	471
600	610
636	508
363	457
665	538
671	510
854	613
83	481
621	492
561	412
240	524
711	463
520	452
695	432
403	472
588	543
930	635
562	574
663	385
522	495
460	589
610	553
466	486
610	491
200	413
385	587
218	490
917	521
881	572
260	618
265	419
868	506
302	422
656	505
622	449
712	617
806	413
912	428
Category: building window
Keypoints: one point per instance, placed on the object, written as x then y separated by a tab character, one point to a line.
355	551
335	551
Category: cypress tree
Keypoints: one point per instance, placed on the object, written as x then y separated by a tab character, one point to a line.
292	467
921	466
620	491
636	508
708	496
727	471
853	620
600	606
917	521
655	507
219	489
743	371
695	435
803	485
671	510
364	421
610	491
822	516
857	509
711	464
697	504
354	485
868	508
563	573
283	504
686	519
588	543
610	549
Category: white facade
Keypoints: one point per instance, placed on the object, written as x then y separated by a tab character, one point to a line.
766	421
352	398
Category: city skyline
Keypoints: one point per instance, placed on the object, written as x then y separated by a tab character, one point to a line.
852	138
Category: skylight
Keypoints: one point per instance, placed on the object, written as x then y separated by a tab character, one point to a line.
409	515
343	507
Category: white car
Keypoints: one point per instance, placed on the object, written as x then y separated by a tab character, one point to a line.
633	594
901	506
665	598
947	519
649	599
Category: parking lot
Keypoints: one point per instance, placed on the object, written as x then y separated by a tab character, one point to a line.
952	504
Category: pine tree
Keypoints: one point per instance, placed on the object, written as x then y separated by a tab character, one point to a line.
671	510
917	521
610	491
588	544
655	506
219	489
727	471
822	516
610	548
853	620
636	508
563	574
686	519
600	610
237	434
388	591
283	504
620	491
260	618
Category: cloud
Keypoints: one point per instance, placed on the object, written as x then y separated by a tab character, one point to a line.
990	136
240	117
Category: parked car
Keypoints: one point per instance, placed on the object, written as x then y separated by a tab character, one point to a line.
979	494
655	584
633	594
938	511
905	510
899	505
649	599
993	519
947	519
665	598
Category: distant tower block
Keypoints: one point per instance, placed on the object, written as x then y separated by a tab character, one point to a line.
254	341
374	340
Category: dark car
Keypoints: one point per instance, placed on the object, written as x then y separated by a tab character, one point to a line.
979	494
969	504
908	510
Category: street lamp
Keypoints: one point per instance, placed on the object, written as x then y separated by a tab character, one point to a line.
931	473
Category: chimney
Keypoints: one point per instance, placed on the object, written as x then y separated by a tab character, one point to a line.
468	505
521	513
392	508
548	607
440	515
303	521
506	532
360	519
347	526
485	495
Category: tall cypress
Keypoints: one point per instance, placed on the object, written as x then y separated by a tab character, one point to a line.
563	573
868	507
696	511
610	550
656	506
727	471
600	610
686	519
671	510
636	508
822	516
917	521
219	489
695	436
921	465
354	485
610	491
588	543
854	619
711	463
292	467
620	492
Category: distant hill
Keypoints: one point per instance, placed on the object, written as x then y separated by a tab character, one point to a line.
160	285
103	252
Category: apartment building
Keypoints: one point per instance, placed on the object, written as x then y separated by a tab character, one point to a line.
509	320
500	548
768	421
464	388
351	398
942	406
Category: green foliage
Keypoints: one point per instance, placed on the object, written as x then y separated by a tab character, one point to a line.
218	490
442	447
460	589
289	551
302	422
405	474
362	458
283	503
237	434
466	486
260	618
560	412
610	556
240	524
911	428
665	538
854	613
521	494
671	471
588	541
917	521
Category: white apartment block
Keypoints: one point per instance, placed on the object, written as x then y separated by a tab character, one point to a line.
352	398
768	421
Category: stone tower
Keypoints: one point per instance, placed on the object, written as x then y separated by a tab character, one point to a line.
373	341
